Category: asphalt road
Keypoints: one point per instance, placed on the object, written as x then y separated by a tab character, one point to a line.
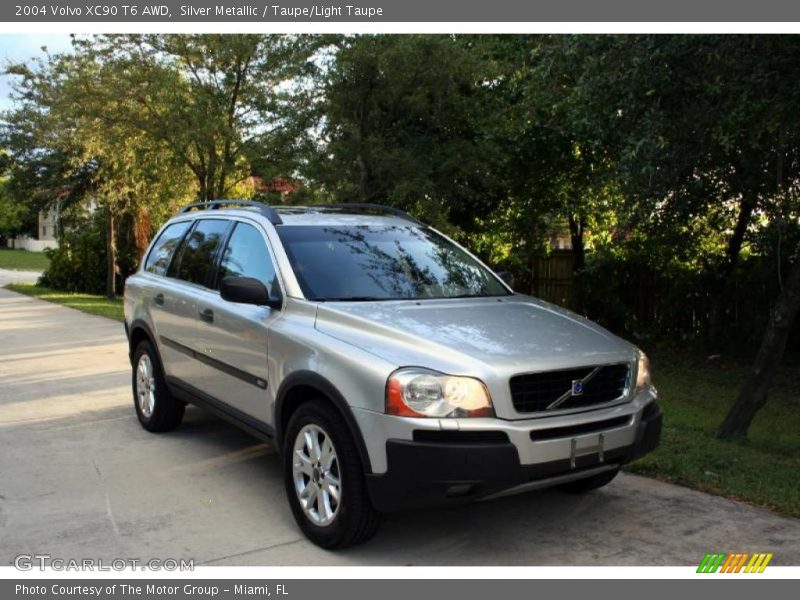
80	478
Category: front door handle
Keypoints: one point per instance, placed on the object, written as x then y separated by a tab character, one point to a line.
207	315
159	299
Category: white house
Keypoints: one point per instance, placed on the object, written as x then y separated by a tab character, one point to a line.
45	234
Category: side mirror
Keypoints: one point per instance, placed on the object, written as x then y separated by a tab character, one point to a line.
247	290
507	278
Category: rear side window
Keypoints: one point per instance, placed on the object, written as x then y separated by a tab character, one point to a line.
200	249
246	255
164	248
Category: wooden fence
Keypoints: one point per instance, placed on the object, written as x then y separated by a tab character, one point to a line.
552	277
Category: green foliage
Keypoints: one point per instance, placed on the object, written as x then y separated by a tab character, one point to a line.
137	125
635	288
628	144
14	215
690	122
405	120
79	263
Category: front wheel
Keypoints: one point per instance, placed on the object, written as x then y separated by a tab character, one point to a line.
324	478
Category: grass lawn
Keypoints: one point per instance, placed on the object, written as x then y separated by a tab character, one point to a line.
695	394
23	260
88	303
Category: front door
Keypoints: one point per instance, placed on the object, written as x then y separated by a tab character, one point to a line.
233	338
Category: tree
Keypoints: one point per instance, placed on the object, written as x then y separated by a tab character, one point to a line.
691	124
65	152
129	122
205	97
402	120
700	128
753	394
14	215
555	170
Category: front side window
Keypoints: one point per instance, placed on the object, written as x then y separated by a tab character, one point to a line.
383	263
200	249
161	254
246	255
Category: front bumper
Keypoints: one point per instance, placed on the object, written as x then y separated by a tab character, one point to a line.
462	466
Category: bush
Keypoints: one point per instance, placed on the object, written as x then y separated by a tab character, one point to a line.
79	263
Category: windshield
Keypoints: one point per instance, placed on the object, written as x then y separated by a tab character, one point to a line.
383	263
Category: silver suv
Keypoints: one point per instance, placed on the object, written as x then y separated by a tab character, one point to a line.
388	366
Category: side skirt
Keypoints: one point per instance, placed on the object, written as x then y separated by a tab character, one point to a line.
191	395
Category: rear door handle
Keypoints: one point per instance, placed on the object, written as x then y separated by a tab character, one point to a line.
159	299
207	315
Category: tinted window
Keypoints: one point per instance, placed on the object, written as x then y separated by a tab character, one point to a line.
352	263
164	248
246	255
200	249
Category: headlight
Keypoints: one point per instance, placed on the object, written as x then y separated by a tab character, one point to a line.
642	372
423	393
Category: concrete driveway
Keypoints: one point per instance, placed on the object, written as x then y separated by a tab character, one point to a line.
80	478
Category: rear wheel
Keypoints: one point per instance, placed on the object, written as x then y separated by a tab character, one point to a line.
324	478
156	408
587	484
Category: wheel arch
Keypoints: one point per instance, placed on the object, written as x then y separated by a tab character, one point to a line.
139	331
300	386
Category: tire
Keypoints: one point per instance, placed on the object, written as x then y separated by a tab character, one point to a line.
158	411
336	524
587	484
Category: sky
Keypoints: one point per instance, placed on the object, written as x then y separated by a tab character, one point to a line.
22	47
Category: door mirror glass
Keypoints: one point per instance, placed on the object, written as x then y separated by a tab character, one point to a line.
247	290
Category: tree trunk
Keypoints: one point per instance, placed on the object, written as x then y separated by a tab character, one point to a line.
111	254
363	169
141	232
576	225
717	314
753	394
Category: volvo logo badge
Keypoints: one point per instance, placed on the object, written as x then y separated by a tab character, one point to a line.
576	389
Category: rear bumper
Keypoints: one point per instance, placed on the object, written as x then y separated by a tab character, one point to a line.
428	473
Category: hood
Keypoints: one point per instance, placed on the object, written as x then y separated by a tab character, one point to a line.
513	333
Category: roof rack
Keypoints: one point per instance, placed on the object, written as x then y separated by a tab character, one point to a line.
366	206
264	209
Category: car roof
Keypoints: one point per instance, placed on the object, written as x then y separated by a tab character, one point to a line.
311	215
355	214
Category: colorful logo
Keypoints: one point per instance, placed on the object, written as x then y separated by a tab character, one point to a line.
719	562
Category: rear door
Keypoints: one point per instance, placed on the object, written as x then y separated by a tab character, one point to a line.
171	311
175	303
234	337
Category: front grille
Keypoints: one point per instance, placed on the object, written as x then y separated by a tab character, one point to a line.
534	392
